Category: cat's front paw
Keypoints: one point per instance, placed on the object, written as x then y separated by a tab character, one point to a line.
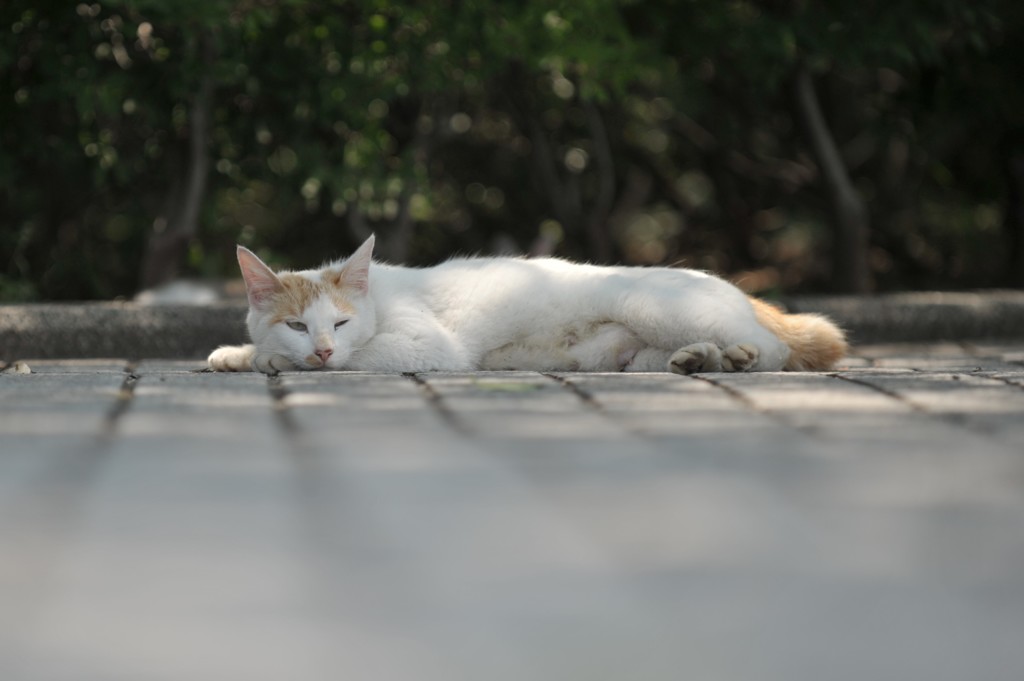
695	358
231	358
271	364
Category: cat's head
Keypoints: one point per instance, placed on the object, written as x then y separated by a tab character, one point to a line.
314	318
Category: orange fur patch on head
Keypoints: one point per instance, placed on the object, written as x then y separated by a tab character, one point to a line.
338	290
298	293
815	343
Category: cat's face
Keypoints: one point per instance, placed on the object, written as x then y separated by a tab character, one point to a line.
315	318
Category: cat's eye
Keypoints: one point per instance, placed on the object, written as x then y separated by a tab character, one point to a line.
340	324
296	326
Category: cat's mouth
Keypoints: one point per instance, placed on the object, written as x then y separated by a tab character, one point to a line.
315	363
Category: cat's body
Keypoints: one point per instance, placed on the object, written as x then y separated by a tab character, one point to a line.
509	313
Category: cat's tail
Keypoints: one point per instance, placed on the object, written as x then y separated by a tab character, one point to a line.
815	343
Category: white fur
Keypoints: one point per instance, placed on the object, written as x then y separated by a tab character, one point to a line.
508	313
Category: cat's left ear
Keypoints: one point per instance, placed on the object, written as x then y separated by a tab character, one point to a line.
355	273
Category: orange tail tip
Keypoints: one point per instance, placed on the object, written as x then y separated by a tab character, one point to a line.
815	343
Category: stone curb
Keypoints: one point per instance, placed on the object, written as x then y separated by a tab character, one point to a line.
922	317
133	331
124	330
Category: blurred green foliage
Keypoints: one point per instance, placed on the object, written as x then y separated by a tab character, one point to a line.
608	130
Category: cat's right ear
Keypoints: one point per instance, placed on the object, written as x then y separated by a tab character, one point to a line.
260	281
355	273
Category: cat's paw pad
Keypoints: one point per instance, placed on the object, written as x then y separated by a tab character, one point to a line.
740	357
695	358
271	364
231	358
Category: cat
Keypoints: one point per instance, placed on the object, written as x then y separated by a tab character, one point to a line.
503	313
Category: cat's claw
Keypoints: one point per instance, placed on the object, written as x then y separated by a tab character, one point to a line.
271	364
696	358
740	357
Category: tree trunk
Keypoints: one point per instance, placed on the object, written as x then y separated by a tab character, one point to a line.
850	271
167	246
403	229
1013	220
597	221
559	195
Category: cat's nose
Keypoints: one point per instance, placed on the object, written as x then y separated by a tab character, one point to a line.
324	354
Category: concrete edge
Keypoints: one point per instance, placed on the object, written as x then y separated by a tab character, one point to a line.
921	316
133	331
127	330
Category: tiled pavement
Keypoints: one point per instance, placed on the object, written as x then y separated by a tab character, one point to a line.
160	523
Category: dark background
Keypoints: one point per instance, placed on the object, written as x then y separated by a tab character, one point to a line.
866	146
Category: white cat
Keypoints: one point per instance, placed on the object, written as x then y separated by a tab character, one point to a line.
508	313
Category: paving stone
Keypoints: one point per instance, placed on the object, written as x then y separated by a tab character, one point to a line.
1011	377
182	516
792	392
979	402
520	405
353	409
170	365
76	366
863	523
869	411
685	413
45	405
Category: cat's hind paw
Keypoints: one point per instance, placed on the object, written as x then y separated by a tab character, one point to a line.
696	358
740	357
231	358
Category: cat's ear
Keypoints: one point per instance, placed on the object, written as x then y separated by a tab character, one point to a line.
260	281
355	273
